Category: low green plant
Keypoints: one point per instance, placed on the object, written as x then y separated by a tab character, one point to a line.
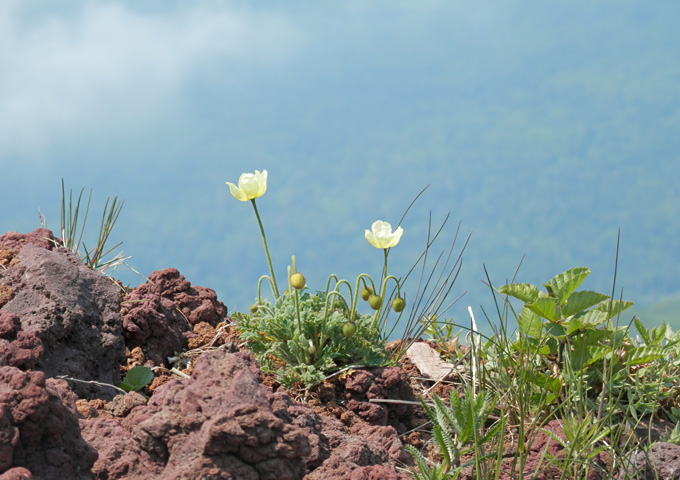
72	230
564	325
584	440
459	430
136	378
304	337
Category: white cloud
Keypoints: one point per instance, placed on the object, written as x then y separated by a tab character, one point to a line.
108	67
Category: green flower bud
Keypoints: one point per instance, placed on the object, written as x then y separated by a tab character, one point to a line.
253	309
312	349
366	292
297	281
398	304
349	329
375	301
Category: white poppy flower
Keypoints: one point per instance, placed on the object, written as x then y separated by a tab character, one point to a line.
381	235
250	186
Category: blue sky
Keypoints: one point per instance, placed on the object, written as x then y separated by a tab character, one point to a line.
352	107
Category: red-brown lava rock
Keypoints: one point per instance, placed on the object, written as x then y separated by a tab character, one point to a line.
158	315
68	315
39	432
224	424
381	383
40	237
219	424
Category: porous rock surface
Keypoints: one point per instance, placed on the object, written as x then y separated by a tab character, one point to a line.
39	433
63	318
380	383
224	424
158	315
661	462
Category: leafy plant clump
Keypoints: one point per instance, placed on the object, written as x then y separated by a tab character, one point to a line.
573	335
459	430
306	341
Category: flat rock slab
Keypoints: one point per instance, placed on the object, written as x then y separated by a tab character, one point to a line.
429	362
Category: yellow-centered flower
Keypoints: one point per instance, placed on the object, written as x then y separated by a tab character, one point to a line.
381	235
250	186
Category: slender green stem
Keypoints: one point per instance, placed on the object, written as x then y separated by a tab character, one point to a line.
275	288
297	310
384	272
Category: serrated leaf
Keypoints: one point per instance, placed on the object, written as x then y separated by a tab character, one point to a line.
658	333
643	331
645	354
563	284
579	301
592	318
574	325
529	323
614	307
546	307
524	292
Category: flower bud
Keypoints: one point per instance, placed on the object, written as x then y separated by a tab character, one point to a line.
375	301
349	329
366	292
398	304
253	308
297	281
312	349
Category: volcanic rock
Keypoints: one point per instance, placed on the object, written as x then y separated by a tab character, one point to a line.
69	317
39	433
158	315
219	424
381	383
661	462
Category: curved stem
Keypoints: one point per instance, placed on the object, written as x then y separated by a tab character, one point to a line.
259	286
383	310
355	297
275	288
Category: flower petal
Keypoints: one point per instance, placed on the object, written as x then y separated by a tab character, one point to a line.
237	193
250	186
381	235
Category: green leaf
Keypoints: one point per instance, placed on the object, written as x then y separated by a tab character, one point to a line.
614	307
583	357
524	292
565	283
555	330
640	355
574	325
544	381
546	307
529	323
592	318
136	379
643	331
579	301
658	334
